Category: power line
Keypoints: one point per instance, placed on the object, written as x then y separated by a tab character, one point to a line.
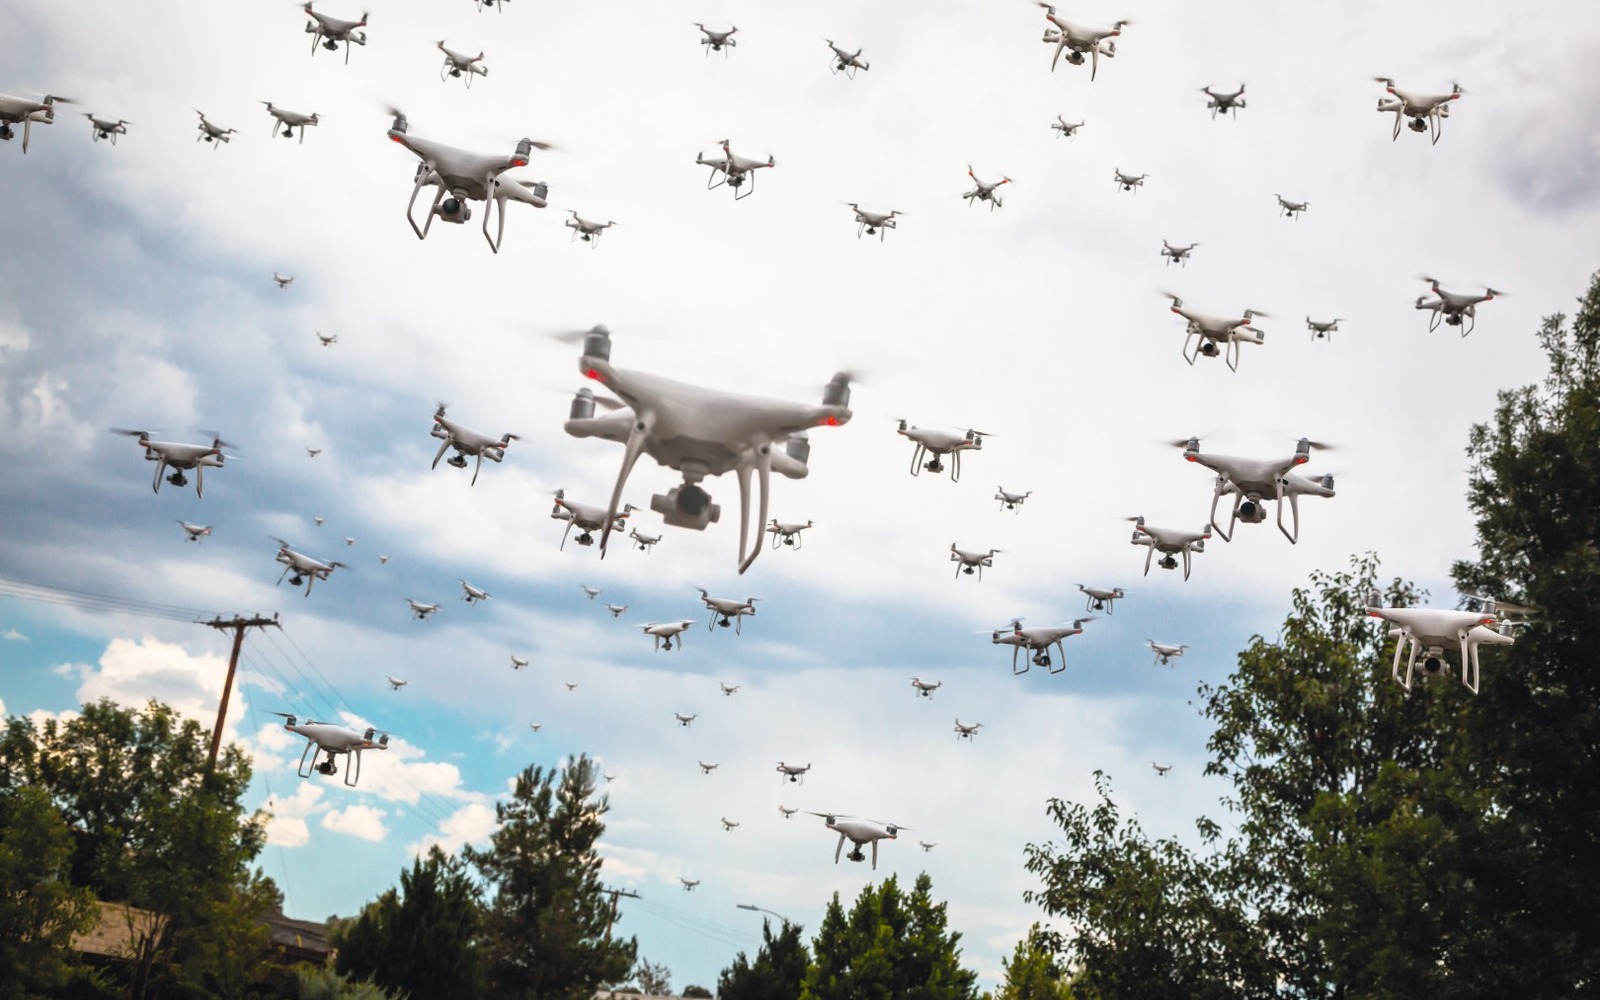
90	601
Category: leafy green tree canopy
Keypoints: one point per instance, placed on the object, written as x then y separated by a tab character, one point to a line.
424	939
890	945
777	973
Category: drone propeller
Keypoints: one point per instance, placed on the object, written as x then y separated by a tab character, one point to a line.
1494	292
216	439
577	336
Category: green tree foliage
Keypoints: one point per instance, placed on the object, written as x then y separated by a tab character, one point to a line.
697	993
777	972
40	908
654	979
1032	972
424	939
326	984
548	923
891	945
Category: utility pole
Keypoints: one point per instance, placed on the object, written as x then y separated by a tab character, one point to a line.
238	625
614	893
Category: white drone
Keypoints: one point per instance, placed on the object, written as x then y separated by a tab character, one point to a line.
718	41
848	63
1252	480
1426	111
939	443
1100	600
194	532
966	732
1165	651
971	562
460	65
727	690
1224	102
319	520
787	812
333	739
421	611
1178	255
590	592
466	442
284	281
180	457
212	132
1292	209
587	231
874	223
706	769
684	720
644	543
587	518
728	824
465	176
1453	307
1170	541
348	540
395	683
1160	769
699	432
794	773
727	611
1213	335
1128	182
290	120
383	560
926	847
472	594
925	689
536	726
787	533
1066	128
27	113
313	453
305	569
517	662
616	609
1037	640
1010	501
1429	631
101	128
688	884
571	686
1321	330
985	192
859	832
1078	41
734	169
330	31
664	632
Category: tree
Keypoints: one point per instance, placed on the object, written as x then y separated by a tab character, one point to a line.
549	922
326	984
40	908
891	945
1032	972
653	978
697	993
423	940
777	973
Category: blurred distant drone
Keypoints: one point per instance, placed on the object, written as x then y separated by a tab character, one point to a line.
460	65
699	432
290	120
728	690
728	824
787	533
616	609
333	739
1252	481
27	113
349	540
970	562
1077	40
180	457
330	31
1426	111
1177	254
1037	640
284	281
1207	332
684	720
1170	541
1161	769
688	884
985	192
925	689
1452	307
587	518
194	532
1165	651
587	231
1010	501
1224	102
590	592
305	569
793	772
421	611
926	847
727	611
787	812
103	129
396	684
1067	129
938	443
859	832
570	685
313	453
734	170
874	223
327	341
644	543
465	176
663	632
472	594
1291	208
1129	182
212	133
705	768
1321	330
517	662
1430	630
966	732
466	442
1100	600
718	41
848	63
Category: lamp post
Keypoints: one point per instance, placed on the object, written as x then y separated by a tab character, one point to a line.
762	909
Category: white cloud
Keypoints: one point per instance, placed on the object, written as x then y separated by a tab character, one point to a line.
286	826
12	635
357	821
131	672
471	824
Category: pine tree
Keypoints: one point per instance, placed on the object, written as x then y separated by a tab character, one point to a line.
776	973
890	945
422	940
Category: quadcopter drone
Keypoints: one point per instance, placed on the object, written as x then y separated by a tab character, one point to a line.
1426	111
1292	209
727	690
971	562
1252	480
1128	182
396	684
1067	130
213	133
305	569
616	609
684	720
313	453
383	560
1170	541
705	768
859	832
1224	102
728	825
1178	255
688	884
965	732
587	231
536	726
180	457
985	192
348	540
517	662
590	592
734	170
1164	651
330	31
1100	600
571	686
848	63
1161	769
938	443
1037	640
1452	307
1207	332
465	176
787	533
100	128
874	223
194	532
924	688
718	41
333	739
284	281
466	442
290	120
1321	330
926	847
1077	40
460	65
21	111
1430	630
588	519
699	432
644	543
727	611
664	632
794	773
1010	501
787	812
421	611
472	594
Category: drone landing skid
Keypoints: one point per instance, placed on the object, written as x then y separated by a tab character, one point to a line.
1469	660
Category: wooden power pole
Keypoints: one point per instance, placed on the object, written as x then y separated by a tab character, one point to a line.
238	624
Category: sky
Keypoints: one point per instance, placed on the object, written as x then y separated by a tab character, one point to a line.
139	294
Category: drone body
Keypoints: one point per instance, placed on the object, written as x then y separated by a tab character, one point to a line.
421	611
1097	599
859	832
1171	542
290	120
1128	182
1165	651
330	31
1431	631
472	594
395	683
1161	769
727	690
590	592
1077	41
688	884
1426	111
793	772
787	812
665	632
938	443
213	133
517	662
1037	640
1321	330
179	457
1224	102
616	609
1067	129
969	562
587	231
734	171
1252	481
460	65
848	63
27	113
981	191
103	129
964	731
333	739
305	569
718	41
284	281
787	533
684	720
1213	335
728	825
466	442
1292	209
705	768
1452	308
926	847
1178	255
874	223
925	689
644	543
194	532
466	176
1010	501
313	453
727	611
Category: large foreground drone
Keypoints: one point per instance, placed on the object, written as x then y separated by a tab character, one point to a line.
1452	307
27	113
1426	111
466	442
1077	41
1213	335
1037	640
859	832
1430	631
333	739
179	457
330	31
466	176
699	432
1252	481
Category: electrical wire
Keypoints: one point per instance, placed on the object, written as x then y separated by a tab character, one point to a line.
91	601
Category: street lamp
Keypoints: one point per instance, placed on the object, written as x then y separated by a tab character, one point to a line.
762	909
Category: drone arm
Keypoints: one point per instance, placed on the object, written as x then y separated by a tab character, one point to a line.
643	423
